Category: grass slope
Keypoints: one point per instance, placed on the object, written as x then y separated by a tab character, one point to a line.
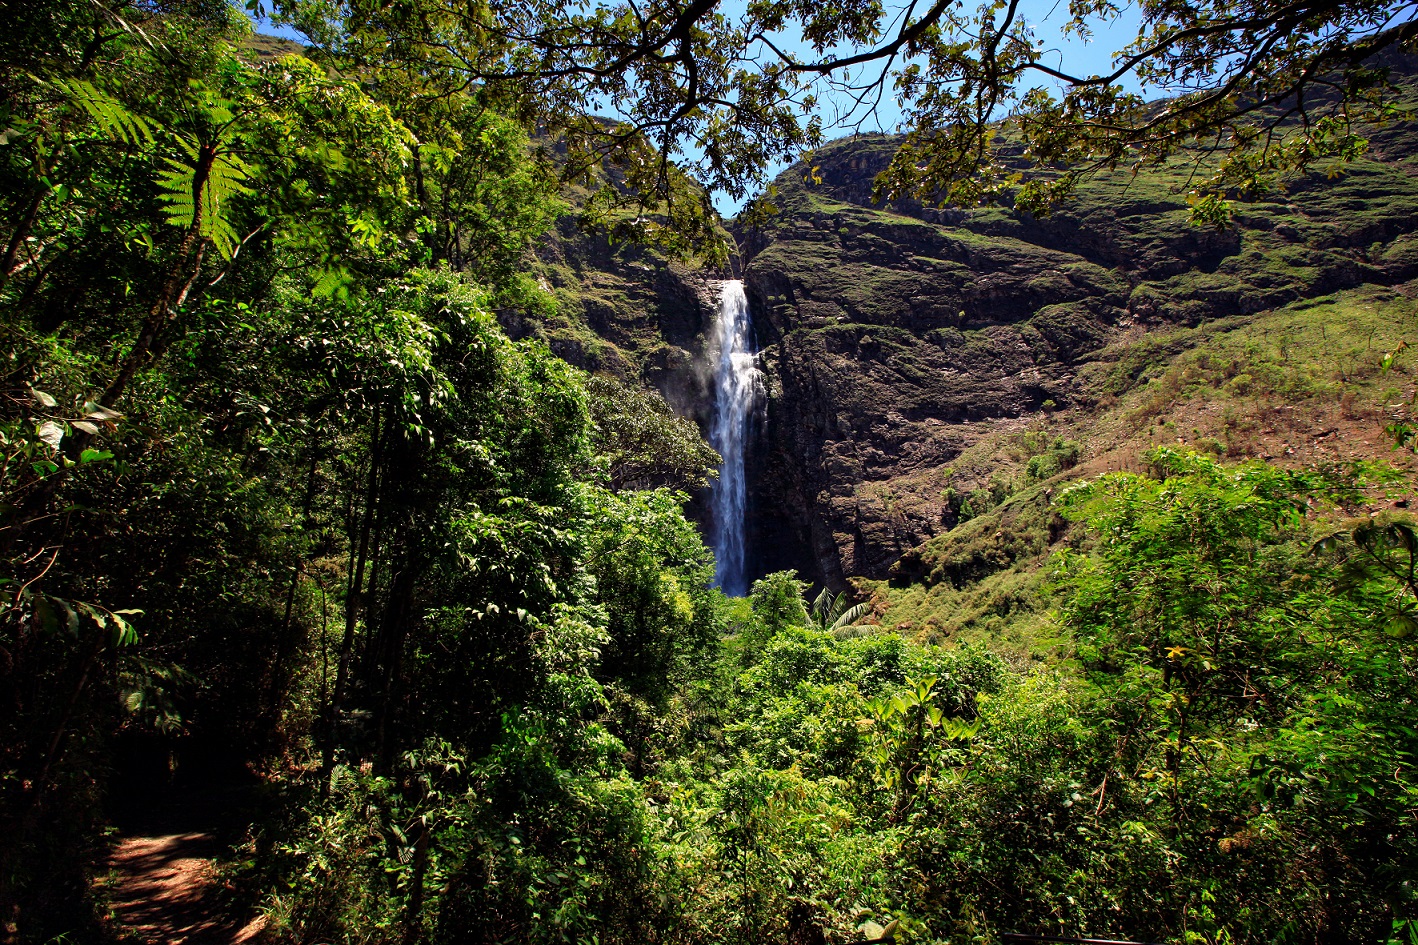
1298	385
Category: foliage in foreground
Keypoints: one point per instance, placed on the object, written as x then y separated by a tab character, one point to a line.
1232	764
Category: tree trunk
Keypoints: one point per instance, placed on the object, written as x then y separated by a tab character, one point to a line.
31	803
359	548
285	644
389	655
175	286
22	230
416	884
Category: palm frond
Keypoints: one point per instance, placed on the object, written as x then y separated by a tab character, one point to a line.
848	617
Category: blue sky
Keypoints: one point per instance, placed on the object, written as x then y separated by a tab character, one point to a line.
1046	16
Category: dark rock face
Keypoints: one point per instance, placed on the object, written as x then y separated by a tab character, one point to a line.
894	337
625	310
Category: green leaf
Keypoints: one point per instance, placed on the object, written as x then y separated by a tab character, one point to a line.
46	615
71	617
1402	625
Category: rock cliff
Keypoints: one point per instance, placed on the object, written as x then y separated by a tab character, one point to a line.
628	311
896	337
910	351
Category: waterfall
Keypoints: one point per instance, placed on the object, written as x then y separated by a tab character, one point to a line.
735	379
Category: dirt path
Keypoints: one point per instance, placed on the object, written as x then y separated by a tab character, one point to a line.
163	887
165	891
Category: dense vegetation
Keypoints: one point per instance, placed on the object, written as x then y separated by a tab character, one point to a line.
281	496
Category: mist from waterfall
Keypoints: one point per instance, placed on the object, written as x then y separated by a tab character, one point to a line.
735	381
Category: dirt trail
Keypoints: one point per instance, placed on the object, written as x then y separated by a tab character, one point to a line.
164	888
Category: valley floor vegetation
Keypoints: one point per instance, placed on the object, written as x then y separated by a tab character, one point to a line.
278	494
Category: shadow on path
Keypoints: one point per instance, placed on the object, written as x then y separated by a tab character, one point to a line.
165	888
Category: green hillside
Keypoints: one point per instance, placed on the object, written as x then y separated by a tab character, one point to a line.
1299	386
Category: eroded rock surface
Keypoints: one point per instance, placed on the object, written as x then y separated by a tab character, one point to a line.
895	337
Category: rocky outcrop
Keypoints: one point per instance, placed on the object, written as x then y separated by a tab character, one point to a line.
626	310
895	337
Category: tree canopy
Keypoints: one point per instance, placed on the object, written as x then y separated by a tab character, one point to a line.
1252	91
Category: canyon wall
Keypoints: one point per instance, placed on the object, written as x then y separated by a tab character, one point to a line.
896	337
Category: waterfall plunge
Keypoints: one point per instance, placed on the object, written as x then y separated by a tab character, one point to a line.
735	380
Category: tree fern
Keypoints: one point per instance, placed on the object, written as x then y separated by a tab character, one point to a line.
200	189
224	175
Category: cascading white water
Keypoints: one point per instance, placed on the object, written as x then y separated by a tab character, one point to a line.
735	380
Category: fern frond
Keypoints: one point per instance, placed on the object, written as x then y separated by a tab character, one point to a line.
226	179
112	117
333	282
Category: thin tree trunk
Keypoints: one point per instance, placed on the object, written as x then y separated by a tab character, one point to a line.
38	279
12	850
286	642
411	920
393	632
22	230
324	645
177	284
353	598
159	316
1176	769
378	564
